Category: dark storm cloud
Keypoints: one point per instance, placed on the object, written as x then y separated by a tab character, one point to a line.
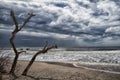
94	1
59	4
82	22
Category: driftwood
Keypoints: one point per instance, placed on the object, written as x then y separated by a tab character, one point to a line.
15	31
43	51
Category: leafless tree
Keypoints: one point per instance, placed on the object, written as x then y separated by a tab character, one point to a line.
43	51
15	31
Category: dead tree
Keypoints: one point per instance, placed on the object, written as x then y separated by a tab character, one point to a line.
15	31
43	51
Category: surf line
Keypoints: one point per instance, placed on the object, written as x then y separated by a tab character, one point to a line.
106	71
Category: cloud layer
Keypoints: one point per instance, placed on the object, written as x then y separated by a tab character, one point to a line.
65	22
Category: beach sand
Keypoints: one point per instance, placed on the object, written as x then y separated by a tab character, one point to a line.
59	71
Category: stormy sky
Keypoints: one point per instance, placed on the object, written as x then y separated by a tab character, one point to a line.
67	23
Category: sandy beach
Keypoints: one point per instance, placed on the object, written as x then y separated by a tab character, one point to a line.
59	71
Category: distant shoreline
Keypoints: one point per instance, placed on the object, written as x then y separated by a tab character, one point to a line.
104	48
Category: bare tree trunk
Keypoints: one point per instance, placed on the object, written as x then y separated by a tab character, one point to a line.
29	65
16	53
0	76
43	51
15	31
14	64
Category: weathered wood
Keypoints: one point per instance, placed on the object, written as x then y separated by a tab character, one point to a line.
43	51
15	31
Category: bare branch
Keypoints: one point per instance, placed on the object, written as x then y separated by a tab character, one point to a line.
15	31
45	46
14	19
48	48
43	51
27	20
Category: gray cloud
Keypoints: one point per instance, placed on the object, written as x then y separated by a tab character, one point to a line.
82	22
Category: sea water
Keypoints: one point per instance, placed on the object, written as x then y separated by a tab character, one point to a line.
62	55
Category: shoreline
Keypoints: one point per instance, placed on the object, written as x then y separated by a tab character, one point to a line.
95	67
59	71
